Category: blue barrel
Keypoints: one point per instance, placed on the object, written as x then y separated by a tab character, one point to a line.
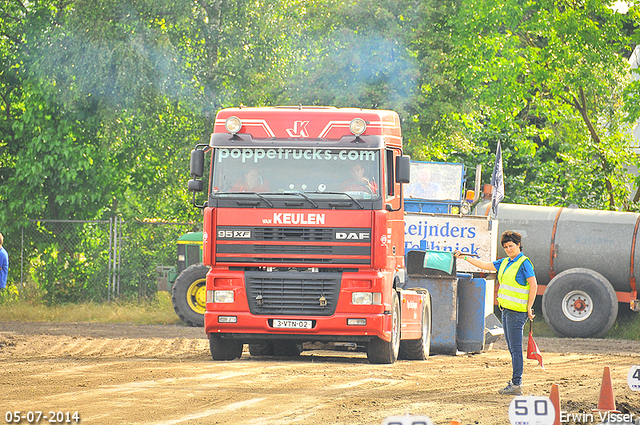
471	313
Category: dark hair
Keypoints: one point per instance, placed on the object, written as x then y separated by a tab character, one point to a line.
510	236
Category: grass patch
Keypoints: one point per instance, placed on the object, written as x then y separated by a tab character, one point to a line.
157	311
626	326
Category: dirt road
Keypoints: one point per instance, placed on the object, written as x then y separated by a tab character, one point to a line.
128	374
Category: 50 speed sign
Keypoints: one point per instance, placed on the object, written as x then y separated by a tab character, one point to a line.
531	410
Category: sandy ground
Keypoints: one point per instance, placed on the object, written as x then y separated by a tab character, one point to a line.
129	374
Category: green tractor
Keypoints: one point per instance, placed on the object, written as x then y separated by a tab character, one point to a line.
187	284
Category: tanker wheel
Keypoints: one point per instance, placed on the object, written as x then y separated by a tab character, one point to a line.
261	349
419	349
189	294
380	351
580	303
224	349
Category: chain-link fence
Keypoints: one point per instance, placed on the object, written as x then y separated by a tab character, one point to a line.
70	260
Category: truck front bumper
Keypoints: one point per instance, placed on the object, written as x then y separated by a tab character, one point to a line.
340	327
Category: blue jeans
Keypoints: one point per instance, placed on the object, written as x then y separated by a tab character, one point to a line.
513	325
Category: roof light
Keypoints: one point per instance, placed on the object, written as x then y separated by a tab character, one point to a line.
357	126
233	125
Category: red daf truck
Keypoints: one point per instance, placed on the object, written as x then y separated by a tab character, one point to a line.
304	233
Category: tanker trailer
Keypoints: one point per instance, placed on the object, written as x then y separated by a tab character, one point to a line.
584	262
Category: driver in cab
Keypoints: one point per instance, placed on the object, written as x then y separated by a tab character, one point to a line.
250	181
358	182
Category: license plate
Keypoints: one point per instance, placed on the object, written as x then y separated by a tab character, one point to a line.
292	324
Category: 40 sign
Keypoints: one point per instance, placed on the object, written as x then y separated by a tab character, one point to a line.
531	410
633	378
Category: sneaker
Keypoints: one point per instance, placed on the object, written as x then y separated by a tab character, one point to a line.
511	389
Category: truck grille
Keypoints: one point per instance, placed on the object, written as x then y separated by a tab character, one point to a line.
292	234
292	293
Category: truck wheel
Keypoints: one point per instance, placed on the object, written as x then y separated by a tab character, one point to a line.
189	294
228	349
261	349
419	349
380	351
580	303
286	348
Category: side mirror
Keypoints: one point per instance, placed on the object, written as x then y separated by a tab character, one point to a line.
195	185
403	169
196	167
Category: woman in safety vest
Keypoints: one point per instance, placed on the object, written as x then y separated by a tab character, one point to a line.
516	294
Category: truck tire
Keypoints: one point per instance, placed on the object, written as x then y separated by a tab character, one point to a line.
228	349
189	294
580	303
261	349
380	351
286	348
419	349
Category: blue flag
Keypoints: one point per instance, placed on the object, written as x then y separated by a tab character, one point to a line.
497	181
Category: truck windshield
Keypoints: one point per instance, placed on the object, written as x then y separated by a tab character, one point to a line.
309	170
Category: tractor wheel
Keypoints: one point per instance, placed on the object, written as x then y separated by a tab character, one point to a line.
380	351
189	294
580	303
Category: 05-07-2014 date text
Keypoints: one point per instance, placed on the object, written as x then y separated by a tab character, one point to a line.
34	417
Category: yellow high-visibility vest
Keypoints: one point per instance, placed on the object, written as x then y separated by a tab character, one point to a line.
511	294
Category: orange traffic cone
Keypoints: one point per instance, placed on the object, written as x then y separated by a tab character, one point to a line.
555	400
607	402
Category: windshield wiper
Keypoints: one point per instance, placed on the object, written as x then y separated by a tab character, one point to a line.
301	194
347	195
307	198
268	202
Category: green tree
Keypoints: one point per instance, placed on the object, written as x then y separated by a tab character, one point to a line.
356	54
546	78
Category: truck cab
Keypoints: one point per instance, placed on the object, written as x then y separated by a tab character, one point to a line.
304	232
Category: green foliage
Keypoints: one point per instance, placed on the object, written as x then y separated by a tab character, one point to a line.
547	79
9	294
68	264
356	54
69	261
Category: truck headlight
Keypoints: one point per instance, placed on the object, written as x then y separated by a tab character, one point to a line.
223	297
366	298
